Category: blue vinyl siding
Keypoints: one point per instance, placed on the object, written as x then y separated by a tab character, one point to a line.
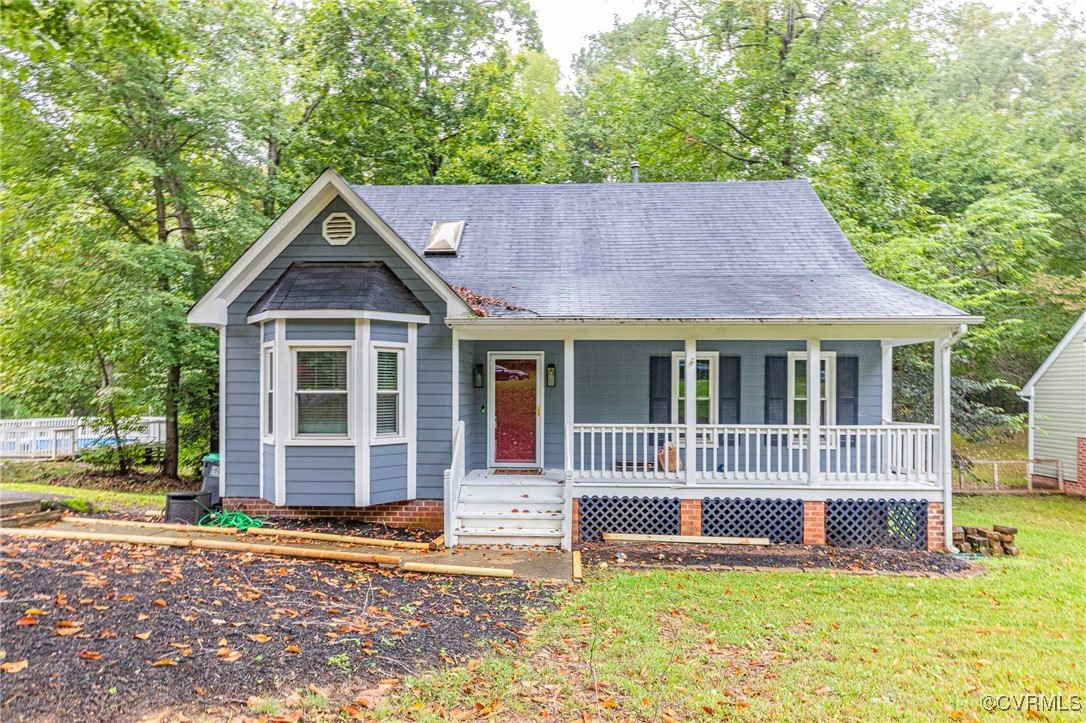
320	476
320	329
388	473
269	330
388	331
242	445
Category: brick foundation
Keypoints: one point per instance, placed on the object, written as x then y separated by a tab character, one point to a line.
936	526
814	522
576	522
690	517
420	514
1078	486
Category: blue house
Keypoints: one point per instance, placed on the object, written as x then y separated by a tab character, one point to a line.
511	364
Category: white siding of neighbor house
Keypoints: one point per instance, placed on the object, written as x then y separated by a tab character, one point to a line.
1059	409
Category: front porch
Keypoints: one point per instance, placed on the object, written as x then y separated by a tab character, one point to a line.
614	418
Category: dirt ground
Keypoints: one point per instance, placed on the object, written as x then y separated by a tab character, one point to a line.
643	554
111	632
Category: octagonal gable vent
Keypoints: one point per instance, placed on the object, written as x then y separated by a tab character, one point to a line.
338	228
444	238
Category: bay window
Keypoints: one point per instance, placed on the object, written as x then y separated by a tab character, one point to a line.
387	420
321	397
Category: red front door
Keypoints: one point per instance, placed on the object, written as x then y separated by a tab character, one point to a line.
515	381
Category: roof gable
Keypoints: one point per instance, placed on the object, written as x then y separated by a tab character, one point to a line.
1065	342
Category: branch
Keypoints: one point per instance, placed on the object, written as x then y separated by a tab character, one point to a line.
710	144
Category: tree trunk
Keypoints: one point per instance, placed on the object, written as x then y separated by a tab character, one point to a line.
173	390
272	167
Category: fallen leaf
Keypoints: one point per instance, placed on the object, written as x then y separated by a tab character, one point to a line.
27	621
227	655
222	642
259	638
90	656
824	690
142	636
160	602
141	617
68	630
13	667
35	611
164	661
293	649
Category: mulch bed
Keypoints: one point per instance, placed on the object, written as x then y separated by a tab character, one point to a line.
641	554
221	627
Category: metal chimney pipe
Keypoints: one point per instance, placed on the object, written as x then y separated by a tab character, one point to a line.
634	165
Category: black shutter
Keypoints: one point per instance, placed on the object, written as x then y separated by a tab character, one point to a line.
729	390
776	390
848	390
660	390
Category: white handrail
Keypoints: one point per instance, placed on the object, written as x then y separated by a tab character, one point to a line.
454	477
628	451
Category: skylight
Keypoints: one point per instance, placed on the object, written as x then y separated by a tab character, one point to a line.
444	237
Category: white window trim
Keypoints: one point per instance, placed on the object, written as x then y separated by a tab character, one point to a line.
266	375
293	347
713	357
371	403
830	358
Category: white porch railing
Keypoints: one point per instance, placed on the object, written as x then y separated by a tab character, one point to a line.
54	437
454	477
889	453
628	451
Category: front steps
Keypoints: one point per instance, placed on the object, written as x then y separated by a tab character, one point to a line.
522	510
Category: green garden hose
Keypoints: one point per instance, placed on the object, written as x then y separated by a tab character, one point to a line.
226	518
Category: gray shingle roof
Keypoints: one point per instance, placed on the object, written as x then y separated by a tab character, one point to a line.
366	285
756	249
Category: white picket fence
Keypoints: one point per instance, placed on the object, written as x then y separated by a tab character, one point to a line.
59	437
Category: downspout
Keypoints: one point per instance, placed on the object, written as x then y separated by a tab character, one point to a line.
948	488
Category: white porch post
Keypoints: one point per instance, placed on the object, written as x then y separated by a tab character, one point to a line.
942	419
690	418
567	401
887	384
814	410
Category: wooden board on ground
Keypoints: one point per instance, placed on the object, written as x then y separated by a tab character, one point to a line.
577	571
228	545
437	542
456	569
684	539
149	525
329	537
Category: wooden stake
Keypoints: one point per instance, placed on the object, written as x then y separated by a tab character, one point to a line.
329	537
229	545
456	569
577	572
685	539
437	542
150	525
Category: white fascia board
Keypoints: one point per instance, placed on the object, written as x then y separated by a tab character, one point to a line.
913	330
211	309
339	314
1027	388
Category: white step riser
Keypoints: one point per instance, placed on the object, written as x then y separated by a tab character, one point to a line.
508	509
486	538
512	523
495	494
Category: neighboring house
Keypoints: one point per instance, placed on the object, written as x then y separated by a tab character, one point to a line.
510	364
1057	412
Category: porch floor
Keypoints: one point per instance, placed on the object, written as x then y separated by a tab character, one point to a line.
486	476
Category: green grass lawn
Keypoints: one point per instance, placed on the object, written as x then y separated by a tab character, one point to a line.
787	646
81	481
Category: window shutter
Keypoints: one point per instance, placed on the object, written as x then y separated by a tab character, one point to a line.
848	389
776	390
660	390
729	390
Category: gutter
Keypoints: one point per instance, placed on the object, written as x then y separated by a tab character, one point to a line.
948	490
463	321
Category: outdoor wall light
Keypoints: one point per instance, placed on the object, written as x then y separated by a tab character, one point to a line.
477	376
552	376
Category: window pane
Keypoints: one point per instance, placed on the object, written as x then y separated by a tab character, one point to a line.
801	378
801	412
388	371
324	414
322	370
682	412
388	421
703	411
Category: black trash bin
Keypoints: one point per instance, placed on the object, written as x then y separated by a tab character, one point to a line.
187	506
211	476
